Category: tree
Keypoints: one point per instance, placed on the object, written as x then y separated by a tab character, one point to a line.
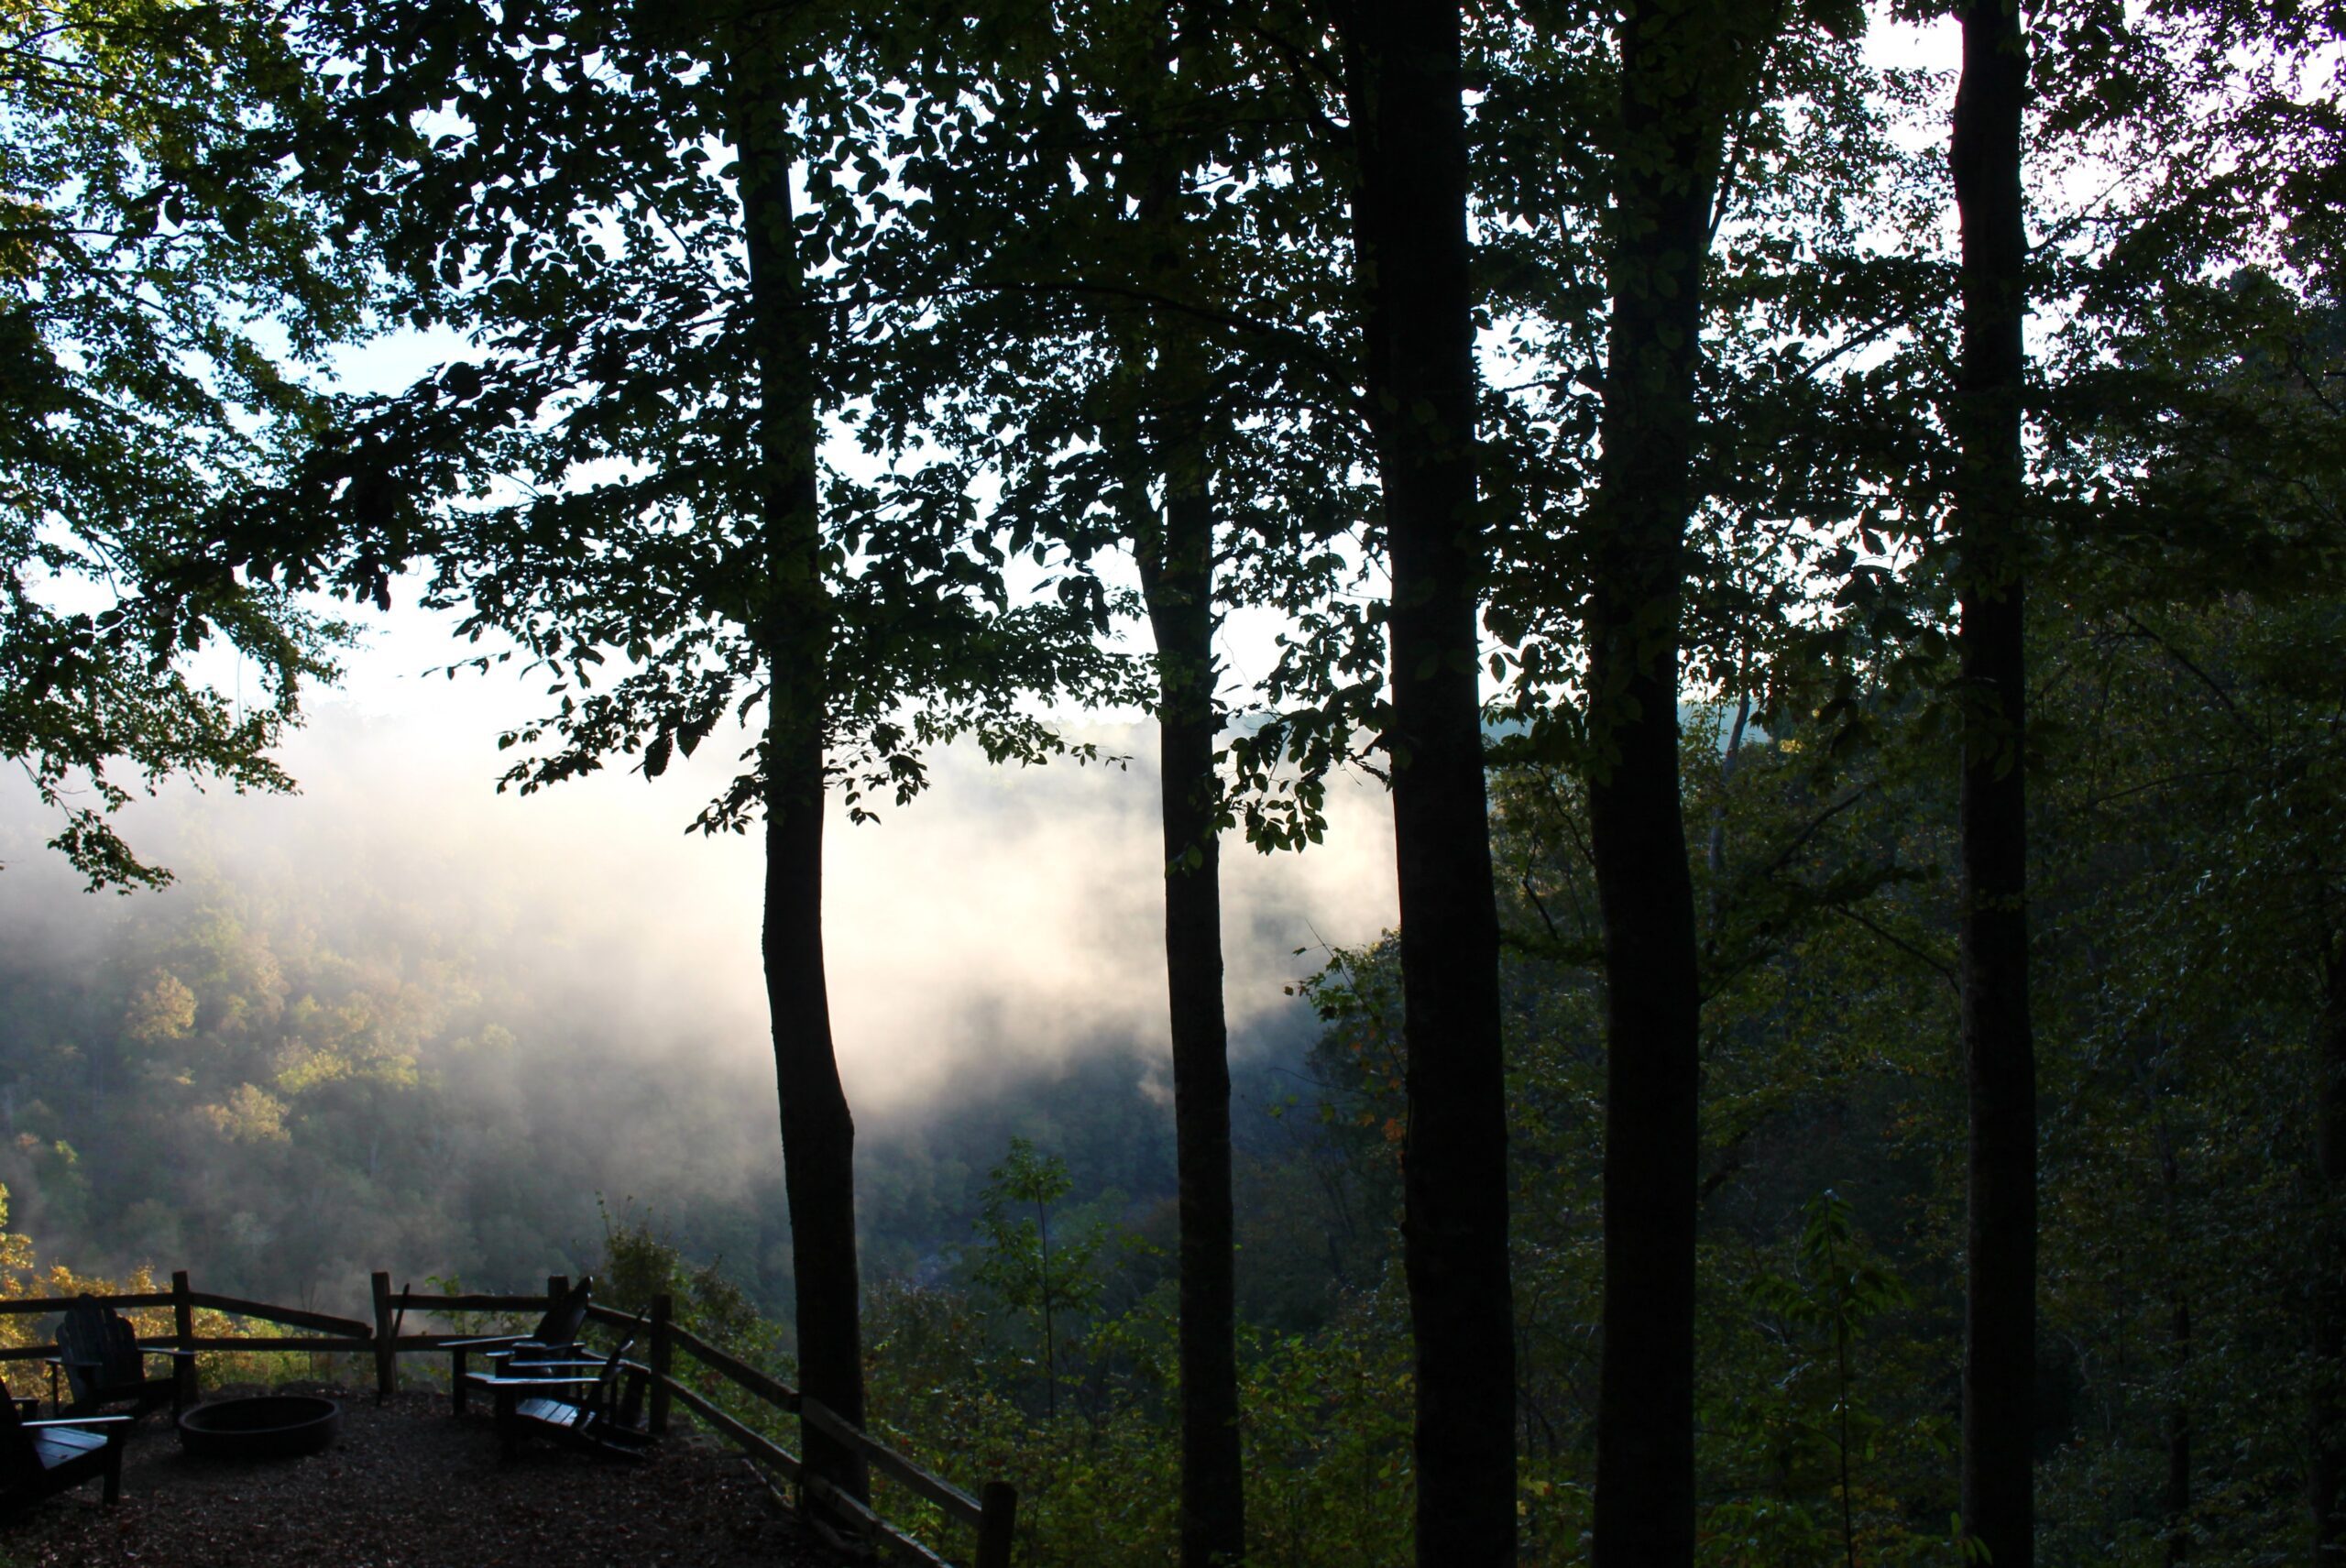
1402	83
1019	1264
1679	65
1999	1048
168	278
2215	600
1104	280
789	628
652	381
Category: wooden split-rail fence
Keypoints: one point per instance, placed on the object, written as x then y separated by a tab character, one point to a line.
992	1514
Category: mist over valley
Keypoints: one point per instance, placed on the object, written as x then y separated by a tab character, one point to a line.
400	1021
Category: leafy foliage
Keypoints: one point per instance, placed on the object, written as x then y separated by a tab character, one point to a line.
171	279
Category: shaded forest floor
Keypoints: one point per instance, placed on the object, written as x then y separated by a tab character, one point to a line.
410	1487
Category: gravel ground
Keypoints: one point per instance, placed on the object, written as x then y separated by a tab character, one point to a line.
411	1486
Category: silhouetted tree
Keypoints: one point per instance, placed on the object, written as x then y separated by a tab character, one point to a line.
1999	1049
1402	85
653	379
1675	61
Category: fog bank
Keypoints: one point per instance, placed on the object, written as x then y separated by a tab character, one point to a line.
1006	920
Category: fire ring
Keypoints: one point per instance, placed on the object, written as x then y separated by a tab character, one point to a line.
263	1426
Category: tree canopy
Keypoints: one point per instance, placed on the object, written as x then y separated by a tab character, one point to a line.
171	282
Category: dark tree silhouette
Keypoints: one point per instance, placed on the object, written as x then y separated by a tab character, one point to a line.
1402	80
791	630
1645	1444
1678	63
155	214
1999	1051
656	391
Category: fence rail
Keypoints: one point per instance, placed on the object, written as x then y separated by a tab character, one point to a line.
993	1515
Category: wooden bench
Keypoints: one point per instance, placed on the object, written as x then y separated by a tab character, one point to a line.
552	1343
38	1459
606	1420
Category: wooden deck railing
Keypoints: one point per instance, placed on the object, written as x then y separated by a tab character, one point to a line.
993	1515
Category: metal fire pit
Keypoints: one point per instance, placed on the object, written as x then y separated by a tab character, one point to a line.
264	1426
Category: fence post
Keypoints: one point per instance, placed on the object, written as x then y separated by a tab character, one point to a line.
387	1375
997	1519
182	1325
663	1305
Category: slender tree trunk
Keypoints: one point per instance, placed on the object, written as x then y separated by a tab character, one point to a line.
1999	1049
1177	579
1402	64
1644	1505
793	631
1175	554
2326	1469
2177	1500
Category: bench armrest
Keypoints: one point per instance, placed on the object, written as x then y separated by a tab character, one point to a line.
489	1339
535	1382
82	1422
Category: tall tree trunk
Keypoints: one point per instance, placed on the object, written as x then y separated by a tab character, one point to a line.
1999	1049
793	631
2326	1468
1175	554
2176	1499
1177	579
1403	81
1644	1505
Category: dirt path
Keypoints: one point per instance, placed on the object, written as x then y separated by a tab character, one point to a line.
411	1486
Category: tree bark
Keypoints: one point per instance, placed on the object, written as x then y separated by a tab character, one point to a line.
1177	580
792	628
2326	1466
1403	81
1644	1505
1175	554
1999	1049
2177	1498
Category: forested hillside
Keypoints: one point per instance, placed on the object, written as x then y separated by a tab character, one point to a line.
291	1077
286	1076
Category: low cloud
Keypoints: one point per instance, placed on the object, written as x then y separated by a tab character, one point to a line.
1007	920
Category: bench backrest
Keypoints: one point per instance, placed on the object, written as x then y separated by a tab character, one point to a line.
564	1321
100	1349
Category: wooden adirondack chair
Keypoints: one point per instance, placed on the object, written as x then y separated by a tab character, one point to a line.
603	1421
98	1352
555	1339
40	1458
